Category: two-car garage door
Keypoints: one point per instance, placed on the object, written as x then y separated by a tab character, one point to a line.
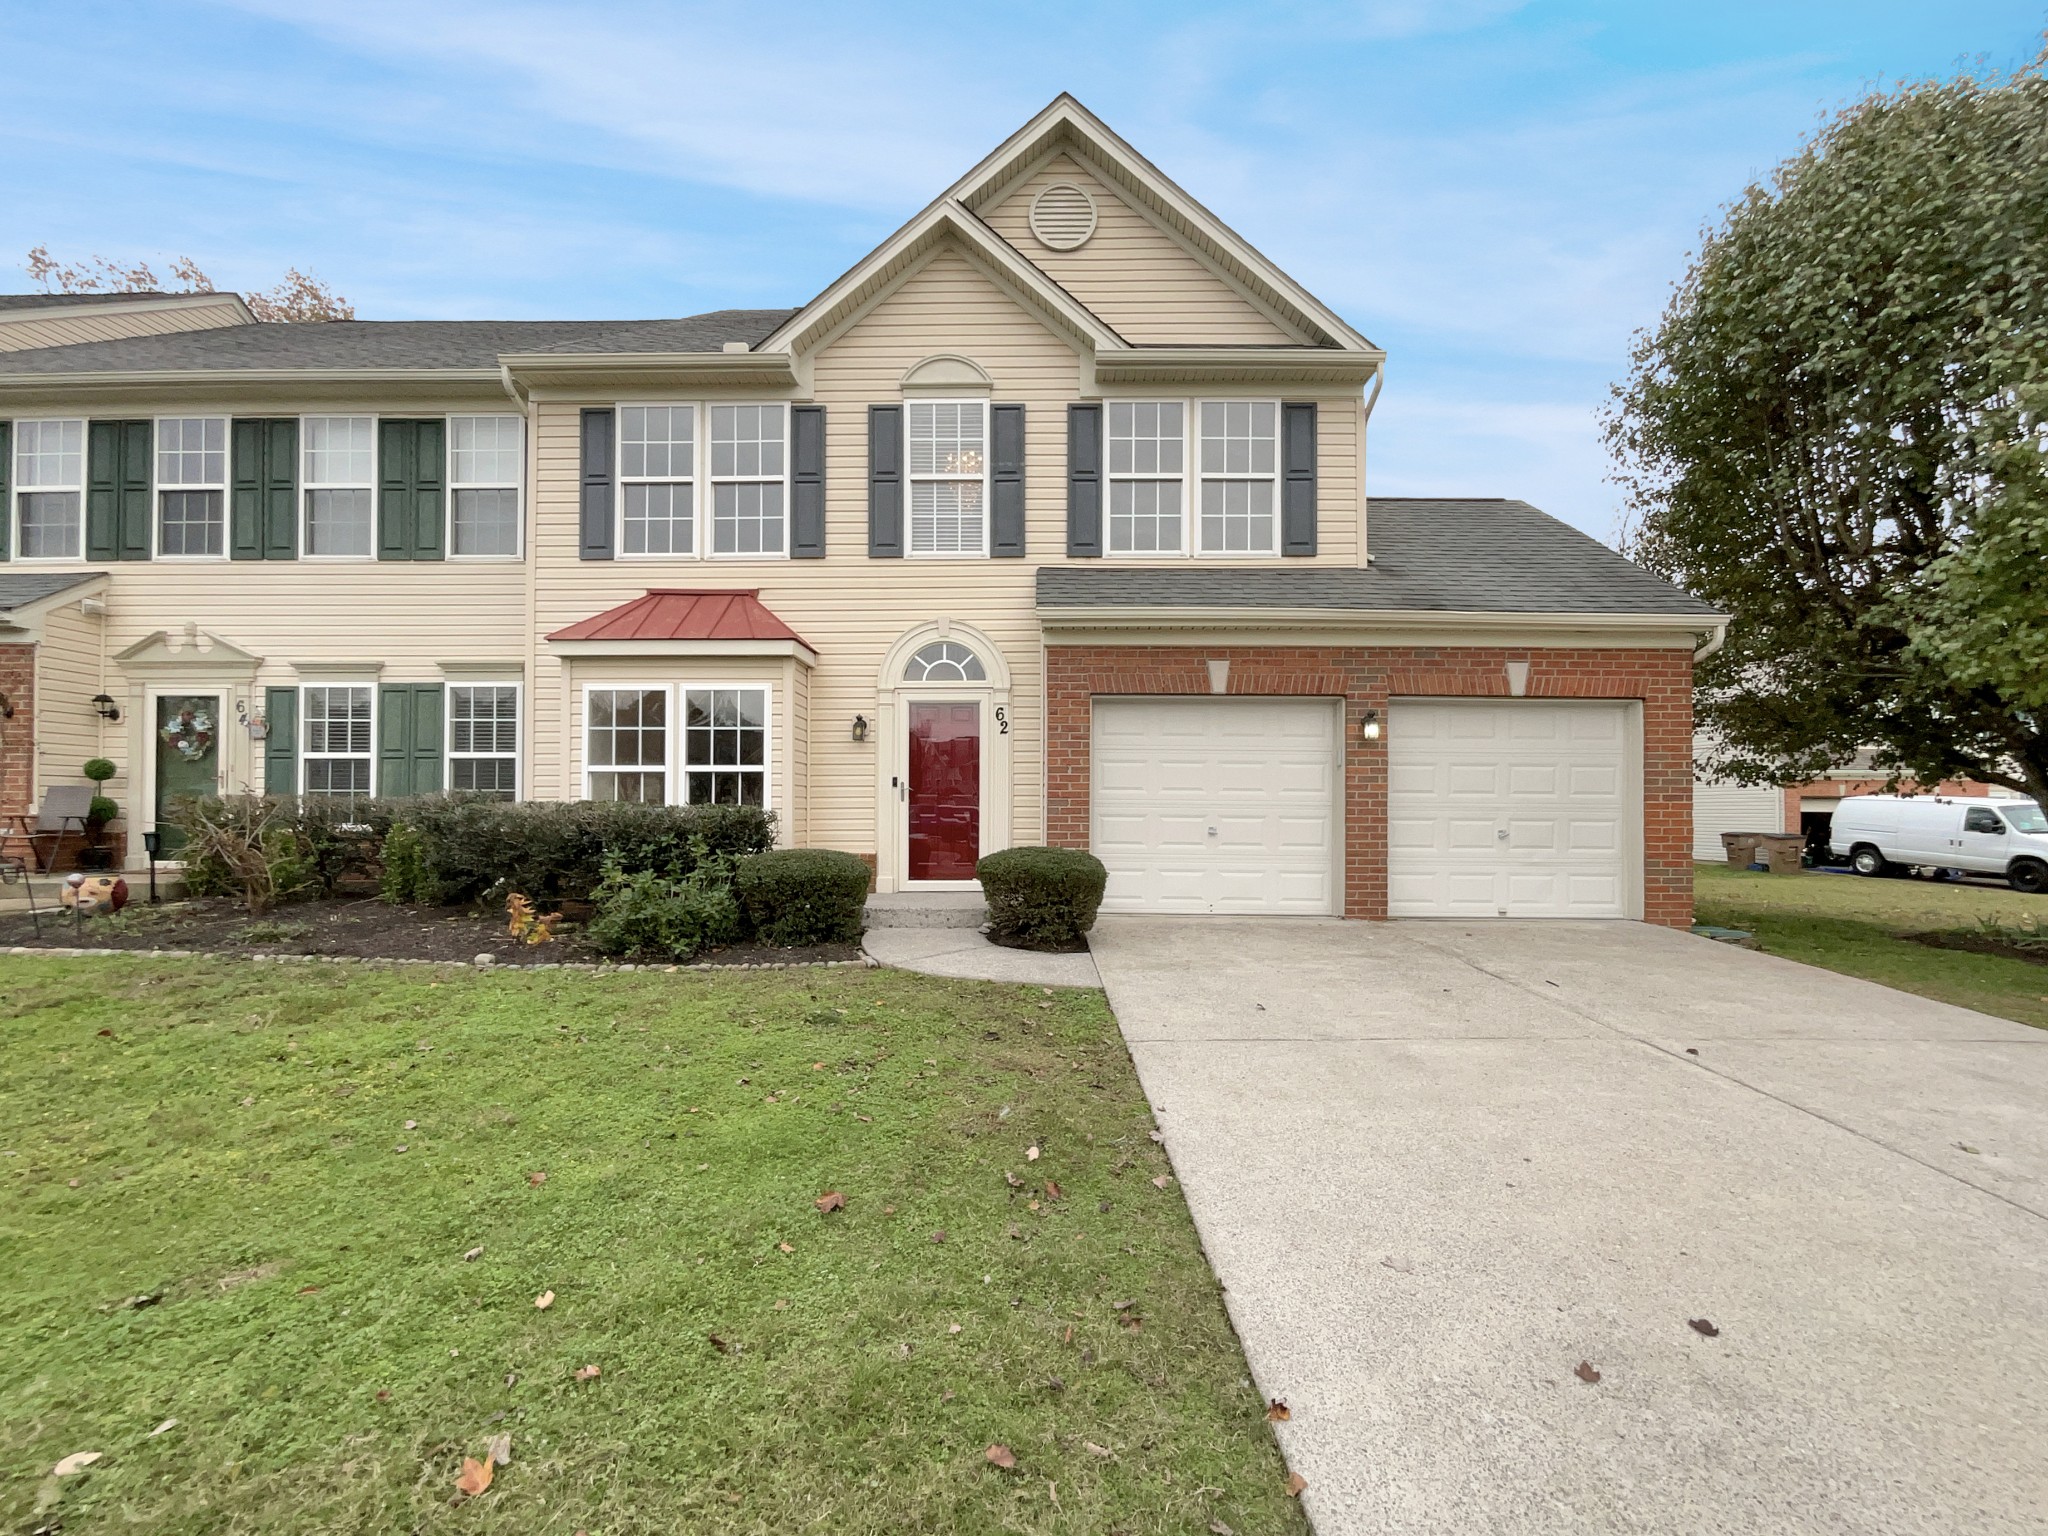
1521	808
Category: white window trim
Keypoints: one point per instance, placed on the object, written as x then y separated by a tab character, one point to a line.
16	490
1192	478
707	538
448	753
910	552
517	487
158	486
308	485
679	726
668	741
300	732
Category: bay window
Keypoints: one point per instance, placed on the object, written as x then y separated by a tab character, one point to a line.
625	744
725	746
720	747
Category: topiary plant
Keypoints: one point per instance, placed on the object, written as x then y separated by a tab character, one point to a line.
99	769
1041	898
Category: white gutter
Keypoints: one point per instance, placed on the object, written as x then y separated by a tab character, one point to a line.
1720	638
1183	616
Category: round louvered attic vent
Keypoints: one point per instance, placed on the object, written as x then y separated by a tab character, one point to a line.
1063	216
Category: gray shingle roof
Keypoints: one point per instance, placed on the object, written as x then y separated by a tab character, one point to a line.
1429	554
20	588
395	344
66	300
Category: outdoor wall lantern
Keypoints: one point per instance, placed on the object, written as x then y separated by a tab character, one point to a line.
103	704
1369	725
860	727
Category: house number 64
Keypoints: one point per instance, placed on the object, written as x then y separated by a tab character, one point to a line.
1002	720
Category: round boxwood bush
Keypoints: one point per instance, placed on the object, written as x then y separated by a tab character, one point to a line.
803	895
1041	898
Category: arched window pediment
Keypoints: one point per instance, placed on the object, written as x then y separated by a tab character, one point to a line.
944	661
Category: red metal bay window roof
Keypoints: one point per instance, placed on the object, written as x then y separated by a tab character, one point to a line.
673	613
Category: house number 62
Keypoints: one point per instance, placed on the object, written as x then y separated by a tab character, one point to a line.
1002	720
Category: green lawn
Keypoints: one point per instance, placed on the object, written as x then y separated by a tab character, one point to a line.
1853	925
233	1141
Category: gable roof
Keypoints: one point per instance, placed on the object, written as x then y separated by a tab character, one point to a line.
1429	555
1066	124
682	613
16	301
22	589
324	345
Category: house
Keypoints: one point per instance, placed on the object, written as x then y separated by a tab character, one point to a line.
1047	522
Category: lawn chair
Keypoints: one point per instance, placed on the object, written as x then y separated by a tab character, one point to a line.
13	868
64	810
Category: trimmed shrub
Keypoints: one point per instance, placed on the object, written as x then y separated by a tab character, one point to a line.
804	895
1041	898
647	916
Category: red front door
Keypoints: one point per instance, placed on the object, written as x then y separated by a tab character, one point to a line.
945	791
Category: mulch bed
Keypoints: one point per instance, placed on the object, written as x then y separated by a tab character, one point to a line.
350	927
1979	945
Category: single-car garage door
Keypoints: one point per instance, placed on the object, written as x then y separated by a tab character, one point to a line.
1216	804
1516	809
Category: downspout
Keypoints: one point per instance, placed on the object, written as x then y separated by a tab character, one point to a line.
1379	377
1720	638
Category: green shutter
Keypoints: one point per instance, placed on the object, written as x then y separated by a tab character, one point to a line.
245	512
117	490
280	745
412	489
409	739
265	521
6	498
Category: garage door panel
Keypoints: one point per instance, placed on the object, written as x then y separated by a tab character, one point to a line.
1550	774
1261	773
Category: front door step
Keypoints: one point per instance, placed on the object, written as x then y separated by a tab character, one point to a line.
927	909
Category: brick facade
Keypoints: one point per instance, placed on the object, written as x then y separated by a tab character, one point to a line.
1367	677
17	735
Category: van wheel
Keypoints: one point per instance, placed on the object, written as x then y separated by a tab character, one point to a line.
2028	875
1866	860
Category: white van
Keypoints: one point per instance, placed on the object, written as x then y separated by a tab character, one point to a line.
1889	834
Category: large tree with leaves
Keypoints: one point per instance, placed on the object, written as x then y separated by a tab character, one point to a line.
1836	433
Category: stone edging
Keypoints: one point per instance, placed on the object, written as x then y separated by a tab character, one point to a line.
55	952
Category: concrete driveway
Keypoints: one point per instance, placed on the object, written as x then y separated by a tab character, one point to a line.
1439	1165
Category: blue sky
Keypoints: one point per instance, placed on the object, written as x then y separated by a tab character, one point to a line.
1498	193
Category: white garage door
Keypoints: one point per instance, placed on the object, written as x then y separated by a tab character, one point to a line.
1216	805
1509	810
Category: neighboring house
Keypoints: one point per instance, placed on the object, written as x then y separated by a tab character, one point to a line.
1807	808
1045	523
32	320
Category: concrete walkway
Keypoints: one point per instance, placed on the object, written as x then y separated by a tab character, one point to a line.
965	953
1438	1166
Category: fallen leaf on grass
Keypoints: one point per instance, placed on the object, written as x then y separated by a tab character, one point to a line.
1052	1190
1702	1326
939	1236
1001	1456
719	1344
1012	1180
498	1450
544	1300
167	1425
474	1254
1278	1412
782	1306
383	1394
1093	1449
1586	1373
1032	1206
1031	1153
307	1290
1295	1483
77	1461
475	1477
536	1179
785	1247
830	1201
1162	1181
1159	1136
588	1373
1123	1306
412	1125
249	1276
1218	1528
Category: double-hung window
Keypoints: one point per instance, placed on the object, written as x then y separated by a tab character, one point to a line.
1239	467
339	734
483	738
948	472
484	460
49	480
747	465
339	475
725	746
191	486
625	744
1147	477
658	479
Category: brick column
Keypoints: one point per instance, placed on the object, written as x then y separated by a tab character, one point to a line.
18	735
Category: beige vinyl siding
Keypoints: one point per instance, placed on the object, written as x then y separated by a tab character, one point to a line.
1141	280
70	668
21	331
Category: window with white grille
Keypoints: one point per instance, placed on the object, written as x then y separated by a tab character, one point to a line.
483	738
1239	477
339	475
948	473
748	463
725	746
191	486
485	458
338	722
658	479
625	744
1147	476
49	489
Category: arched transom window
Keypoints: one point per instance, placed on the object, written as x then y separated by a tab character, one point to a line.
944	661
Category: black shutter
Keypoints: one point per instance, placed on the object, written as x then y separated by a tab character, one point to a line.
885	481
1006	481
1298	478
1084	480
280	744
117	490
280	507
596	537
6	498
807	482
248	452
429	489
